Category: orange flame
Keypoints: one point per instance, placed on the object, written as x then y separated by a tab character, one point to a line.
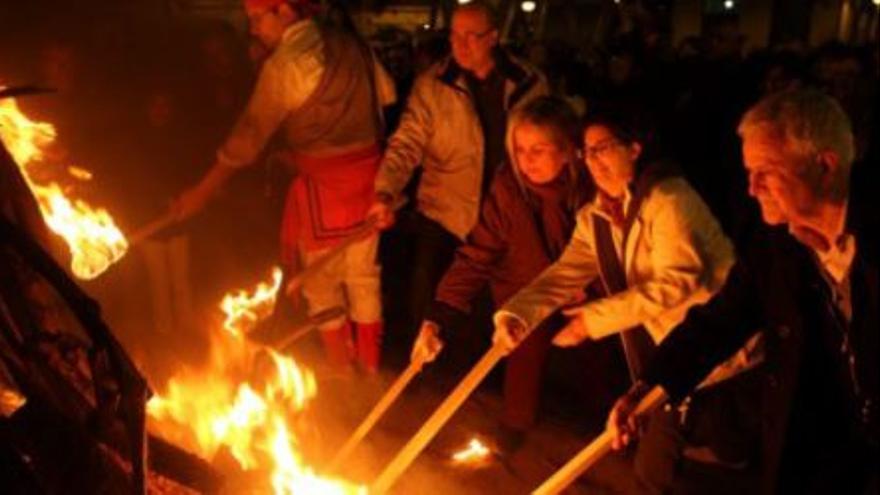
244	310
473	453
94	241
218	406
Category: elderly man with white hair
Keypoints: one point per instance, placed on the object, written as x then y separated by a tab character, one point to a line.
809	279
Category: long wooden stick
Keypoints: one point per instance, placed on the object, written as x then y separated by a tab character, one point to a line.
365	230
151	229
597	449
376	413
362	232
418	442
311	325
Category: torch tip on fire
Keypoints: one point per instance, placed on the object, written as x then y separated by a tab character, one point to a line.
94	240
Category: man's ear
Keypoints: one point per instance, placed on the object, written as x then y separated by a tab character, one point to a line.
494	37
635	150
829	163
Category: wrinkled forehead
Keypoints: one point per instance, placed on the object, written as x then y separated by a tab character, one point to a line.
765	147
470	20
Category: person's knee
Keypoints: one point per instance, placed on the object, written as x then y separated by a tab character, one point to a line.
323	298
332	325
365	302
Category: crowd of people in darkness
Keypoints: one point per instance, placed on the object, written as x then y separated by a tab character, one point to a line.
707	206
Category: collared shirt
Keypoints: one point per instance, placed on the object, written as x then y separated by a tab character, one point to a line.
601	207
836	264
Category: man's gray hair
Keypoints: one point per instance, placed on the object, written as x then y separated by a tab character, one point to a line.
807	120
483	7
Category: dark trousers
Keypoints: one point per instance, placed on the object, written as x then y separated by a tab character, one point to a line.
723	421
850	466
433	251
522	379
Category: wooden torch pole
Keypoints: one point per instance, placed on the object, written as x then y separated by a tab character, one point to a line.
151	229
418	442
597	449
378	410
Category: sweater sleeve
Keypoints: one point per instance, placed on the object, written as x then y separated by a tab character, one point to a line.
406	147
561	282
288	78
475	260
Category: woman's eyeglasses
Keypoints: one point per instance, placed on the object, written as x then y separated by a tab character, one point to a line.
600	149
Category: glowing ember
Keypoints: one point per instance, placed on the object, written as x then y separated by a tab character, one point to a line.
79	173
226	405
244	310
94	241
474	452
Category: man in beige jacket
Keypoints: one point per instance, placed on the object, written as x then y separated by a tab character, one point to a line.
453	126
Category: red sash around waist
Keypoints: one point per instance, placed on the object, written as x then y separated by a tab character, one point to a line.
328	200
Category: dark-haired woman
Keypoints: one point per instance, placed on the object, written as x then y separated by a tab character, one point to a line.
524	225
657	250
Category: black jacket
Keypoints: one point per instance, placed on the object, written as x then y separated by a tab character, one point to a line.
814	407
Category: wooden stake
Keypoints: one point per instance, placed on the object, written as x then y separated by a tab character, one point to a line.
365	230
376	413
592	452
418	442
362	232
311	325
151	229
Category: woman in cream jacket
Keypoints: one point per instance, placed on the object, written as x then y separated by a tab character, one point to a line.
674	253
658	251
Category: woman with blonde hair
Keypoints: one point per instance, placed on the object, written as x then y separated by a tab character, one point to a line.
524	224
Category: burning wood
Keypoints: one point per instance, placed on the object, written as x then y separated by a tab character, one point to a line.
94	241
253	418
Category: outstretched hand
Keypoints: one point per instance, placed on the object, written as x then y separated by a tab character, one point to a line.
382	212
574	332
428	343
509	331
624	423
